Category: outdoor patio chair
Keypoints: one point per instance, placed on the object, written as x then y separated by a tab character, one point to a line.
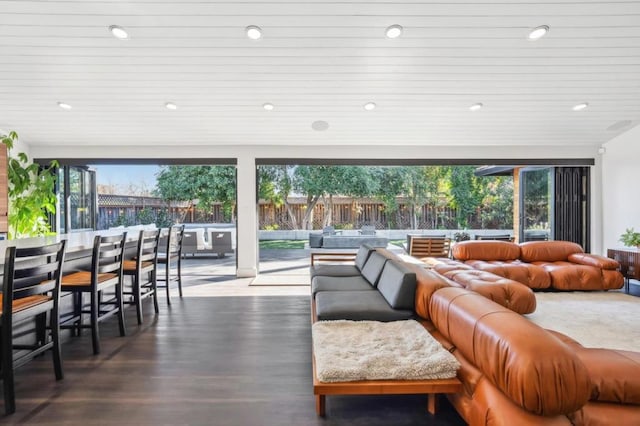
368	230
502	237
429	246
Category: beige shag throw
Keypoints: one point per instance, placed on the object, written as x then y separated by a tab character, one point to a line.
371	350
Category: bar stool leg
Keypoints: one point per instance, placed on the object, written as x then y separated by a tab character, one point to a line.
167	279
95	337
154	286
137	279
6	365
55	338
120	302
77	312
180	275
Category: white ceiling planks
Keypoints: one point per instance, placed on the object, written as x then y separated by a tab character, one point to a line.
319	61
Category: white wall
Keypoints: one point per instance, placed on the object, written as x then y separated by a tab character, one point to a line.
620	187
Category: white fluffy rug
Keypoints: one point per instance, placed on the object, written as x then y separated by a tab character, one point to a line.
595	319
370	350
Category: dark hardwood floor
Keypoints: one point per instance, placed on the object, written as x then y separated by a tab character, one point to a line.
205	361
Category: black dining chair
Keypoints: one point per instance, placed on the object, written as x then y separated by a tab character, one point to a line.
105	274
30	294
143	272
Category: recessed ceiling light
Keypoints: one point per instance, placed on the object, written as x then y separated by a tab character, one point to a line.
394	31
319	126
268	106
118	32
476	107
370	106
63	105
581	106
538	32
170	105
253	32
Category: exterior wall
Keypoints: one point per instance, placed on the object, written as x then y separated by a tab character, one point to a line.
620	194
247	254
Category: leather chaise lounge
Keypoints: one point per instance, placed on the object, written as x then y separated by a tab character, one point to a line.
557	265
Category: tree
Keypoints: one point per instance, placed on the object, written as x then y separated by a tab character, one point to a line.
275	183
203	185
317	182
466	192
417	184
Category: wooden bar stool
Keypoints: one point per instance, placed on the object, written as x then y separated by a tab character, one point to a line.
30	291
143	271
172	253
105	273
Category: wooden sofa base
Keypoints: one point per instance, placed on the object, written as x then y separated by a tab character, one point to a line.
384	387
380	387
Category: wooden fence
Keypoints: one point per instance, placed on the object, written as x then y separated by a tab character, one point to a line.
348	213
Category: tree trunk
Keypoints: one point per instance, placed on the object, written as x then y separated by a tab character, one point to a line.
292	215
414	219
307	220
328	211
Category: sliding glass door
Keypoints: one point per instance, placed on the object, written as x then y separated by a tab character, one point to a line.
536	204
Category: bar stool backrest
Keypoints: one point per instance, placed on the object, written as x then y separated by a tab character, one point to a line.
174	241
108	254
148	246
31	271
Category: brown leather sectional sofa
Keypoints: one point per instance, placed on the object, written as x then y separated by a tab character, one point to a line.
559	265
516	373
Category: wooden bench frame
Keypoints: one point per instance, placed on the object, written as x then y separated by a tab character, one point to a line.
380	387
330	256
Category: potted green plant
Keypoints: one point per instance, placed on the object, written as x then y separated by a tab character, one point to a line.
630	238
31	191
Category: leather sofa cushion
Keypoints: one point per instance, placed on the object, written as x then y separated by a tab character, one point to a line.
373	268
485	250
534	369
532	276
322	283
427	283
594	260
445	265
505	292
606	413
548	251
609	371
569	276
357	306
397	285
491	407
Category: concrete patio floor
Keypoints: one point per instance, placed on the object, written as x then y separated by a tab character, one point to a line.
208	276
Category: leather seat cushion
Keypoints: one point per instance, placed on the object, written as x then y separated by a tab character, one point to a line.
531	275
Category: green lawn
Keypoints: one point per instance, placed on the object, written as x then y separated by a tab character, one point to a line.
282	244
398	243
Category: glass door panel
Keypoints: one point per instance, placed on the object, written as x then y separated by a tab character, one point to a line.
536	204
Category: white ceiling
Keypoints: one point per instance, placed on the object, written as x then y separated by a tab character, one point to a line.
318	61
